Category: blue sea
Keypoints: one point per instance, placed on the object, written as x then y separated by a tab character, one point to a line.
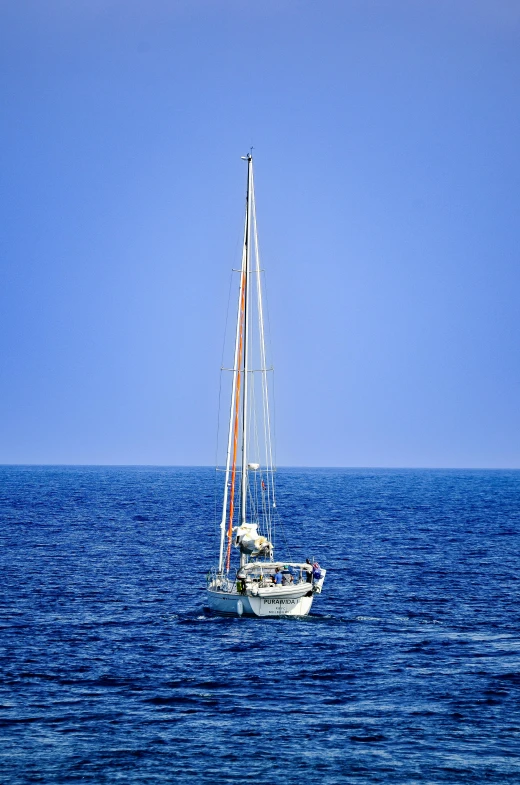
407	671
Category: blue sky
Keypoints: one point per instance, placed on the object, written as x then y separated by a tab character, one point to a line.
388	190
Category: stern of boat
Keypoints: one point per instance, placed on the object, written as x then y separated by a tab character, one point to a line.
256	595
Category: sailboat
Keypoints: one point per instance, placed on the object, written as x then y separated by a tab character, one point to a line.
259	585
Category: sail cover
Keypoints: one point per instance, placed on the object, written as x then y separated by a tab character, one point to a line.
250	542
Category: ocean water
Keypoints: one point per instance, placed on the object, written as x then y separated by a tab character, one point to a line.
407	671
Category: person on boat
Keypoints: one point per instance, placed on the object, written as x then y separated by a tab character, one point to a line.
277	577
241	581
308	569
287	577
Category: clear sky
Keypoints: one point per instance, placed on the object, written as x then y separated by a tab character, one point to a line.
387	168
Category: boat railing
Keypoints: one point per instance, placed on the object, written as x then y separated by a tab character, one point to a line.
262	578
220	582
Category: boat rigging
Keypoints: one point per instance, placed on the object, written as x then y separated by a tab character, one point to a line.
261	586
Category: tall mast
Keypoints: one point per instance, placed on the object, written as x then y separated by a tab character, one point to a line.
243	496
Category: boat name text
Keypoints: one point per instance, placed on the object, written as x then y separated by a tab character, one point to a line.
272	601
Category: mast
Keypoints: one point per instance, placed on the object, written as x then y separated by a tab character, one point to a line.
241	363
243	494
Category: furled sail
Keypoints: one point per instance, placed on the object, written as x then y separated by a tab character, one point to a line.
250	542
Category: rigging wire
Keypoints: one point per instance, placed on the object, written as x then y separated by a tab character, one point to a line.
256	490
265	391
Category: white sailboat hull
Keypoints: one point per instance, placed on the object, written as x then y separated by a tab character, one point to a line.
290	601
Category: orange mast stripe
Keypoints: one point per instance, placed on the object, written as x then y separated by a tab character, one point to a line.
235	427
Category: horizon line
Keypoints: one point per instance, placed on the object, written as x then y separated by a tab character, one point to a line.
280	466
